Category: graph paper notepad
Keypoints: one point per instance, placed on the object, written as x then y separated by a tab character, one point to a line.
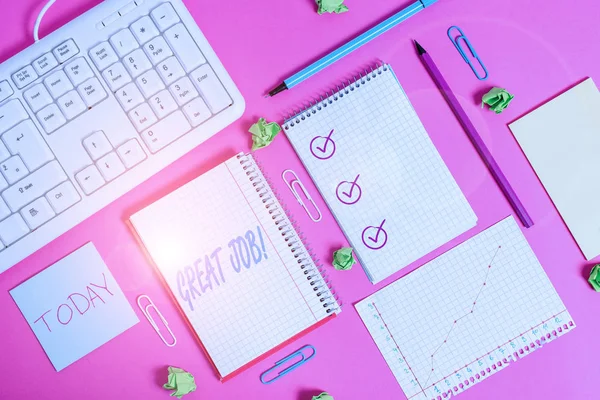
235	264
465	315
380	174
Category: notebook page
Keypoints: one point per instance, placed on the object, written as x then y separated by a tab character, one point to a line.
240	303
380	174
465	315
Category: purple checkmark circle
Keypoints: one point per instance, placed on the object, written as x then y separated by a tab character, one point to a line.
374	237
351	195
324	151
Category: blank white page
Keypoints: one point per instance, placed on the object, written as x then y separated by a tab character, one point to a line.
465	315
239	309
561	141
380	174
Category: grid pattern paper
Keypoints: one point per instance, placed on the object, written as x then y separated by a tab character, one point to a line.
465	315
380	174
243	314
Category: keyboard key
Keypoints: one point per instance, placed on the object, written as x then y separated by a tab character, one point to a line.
26	141
166	131
92	92
58	84
71	104
123	42
65	51
185	47
164	16
116	76
110	166
4	210
170	70
3	183
5	90
37	213
157	49
129	96
78	71
150	83
34	185
11	113
103	55
183	90
13	169
44	64
129	7
197	111
51	118
163	104
131	153
142	117
4	154
211	88
90	179
63	196
24	76
144	29
110	19
137	62
37	97
12	229
97	145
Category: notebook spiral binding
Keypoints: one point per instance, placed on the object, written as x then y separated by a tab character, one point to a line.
319	279
333	95
515	356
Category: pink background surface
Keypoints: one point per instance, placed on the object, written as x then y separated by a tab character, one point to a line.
534	48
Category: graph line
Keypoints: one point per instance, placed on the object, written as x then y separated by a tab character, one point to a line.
463	316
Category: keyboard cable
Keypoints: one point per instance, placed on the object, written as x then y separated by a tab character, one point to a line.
38	21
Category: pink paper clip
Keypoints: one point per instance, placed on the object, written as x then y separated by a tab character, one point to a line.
295	182
146	312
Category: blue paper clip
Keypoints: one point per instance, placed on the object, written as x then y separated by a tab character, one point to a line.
302	360
456	43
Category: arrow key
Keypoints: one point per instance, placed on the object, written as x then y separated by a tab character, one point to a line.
90	179
110	166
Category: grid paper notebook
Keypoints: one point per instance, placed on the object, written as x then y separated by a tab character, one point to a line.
380	173
465	315
235	264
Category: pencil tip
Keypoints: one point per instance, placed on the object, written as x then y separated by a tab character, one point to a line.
420	48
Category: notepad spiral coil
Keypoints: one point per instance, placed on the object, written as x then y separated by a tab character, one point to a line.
306	259
331	96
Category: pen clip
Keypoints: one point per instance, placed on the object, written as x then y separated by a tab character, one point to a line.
303	359
456	42
296	182
146	312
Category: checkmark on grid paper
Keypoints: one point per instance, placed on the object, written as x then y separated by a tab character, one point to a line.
349	192
323	147
375	237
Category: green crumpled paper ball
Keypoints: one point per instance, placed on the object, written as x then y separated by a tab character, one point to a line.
343	259
323	396
594	278
263	133
331	6
497	99
181	381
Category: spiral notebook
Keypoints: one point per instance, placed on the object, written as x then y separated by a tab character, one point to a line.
235	265
379	172
465	315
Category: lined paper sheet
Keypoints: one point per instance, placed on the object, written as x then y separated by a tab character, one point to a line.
465	315
381	175
228	265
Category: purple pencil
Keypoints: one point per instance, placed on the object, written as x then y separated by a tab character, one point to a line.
468	126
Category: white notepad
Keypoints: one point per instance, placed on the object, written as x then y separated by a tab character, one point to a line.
235	264
380	174
465	315
561	140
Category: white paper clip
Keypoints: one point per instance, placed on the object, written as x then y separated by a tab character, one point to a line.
296	182
146	312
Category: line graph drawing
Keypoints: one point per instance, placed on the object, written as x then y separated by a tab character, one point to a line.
463	316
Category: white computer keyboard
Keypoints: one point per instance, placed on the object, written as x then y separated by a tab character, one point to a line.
98	106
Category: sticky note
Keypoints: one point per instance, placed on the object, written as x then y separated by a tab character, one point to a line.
74	306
